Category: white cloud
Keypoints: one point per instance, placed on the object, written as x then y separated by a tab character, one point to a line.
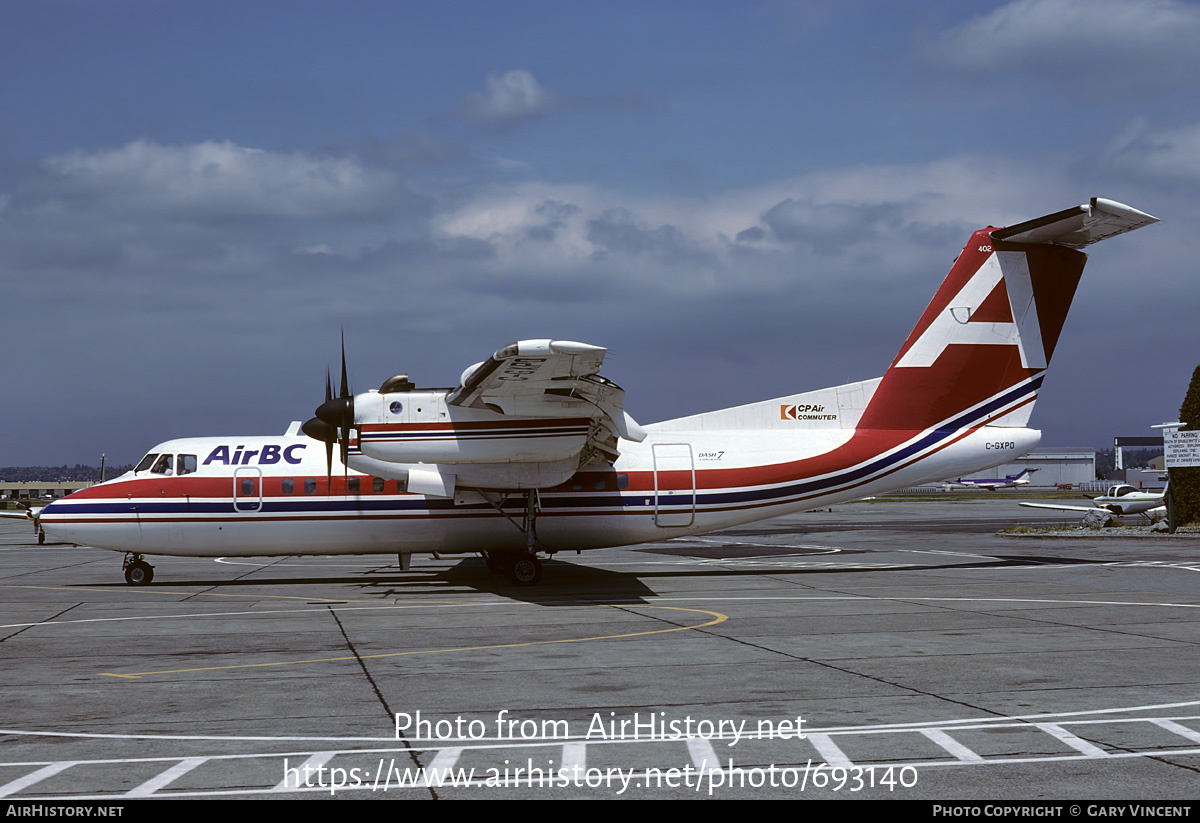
511	98
870	224
1085	36
1170	154
219	180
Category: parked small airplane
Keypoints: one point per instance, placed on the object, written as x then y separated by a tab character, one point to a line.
1120	500
532	451
991	484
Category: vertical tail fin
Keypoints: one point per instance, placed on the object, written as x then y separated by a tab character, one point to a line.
979	351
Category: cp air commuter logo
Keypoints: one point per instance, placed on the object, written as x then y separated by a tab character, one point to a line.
804	411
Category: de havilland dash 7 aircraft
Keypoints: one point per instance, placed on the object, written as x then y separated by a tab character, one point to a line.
532	453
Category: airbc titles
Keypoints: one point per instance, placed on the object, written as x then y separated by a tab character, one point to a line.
267	455
804	411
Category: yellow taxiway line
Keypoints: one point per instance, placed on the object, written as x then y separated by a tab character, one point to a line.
717	618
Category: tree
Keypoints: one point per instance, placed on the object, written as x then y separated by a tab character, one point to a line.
1185	483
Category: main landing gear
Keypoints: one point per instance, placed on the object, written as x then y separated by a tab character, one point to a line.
521	568
137	571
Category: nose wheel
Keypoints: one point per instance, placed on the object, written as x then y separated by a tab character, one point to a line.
137	571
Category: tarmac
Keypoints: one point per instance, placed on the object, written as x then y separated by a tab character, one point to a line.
880	650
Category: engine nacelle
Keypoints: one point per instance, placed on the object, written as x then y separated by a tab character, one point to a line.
419	427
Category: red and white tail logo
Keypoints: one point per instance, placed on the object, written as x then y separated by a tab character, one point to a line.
993	325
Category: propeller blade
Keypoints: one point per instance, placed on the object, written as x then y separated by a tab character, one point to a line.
329	443
328	467
334	420
345	380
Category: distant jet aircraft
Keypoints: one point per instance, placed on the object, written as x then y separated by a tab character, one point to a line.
532	451
991	484
1120	500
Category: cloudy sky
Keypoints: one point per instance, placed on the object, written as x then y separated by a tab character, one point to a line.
740	200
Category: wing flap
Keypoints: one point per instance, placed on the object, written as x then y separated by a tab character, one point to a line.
528	367
551	379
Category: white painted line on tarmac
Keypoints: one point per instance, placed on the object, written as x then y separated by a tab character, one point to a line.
1177	728
574	756
442	763
166	778
1077	743
703	756
314	762
829	750
951	745
35	777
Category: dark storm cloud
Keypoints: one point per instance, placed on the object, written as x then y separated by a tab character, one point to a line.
617	231
831	228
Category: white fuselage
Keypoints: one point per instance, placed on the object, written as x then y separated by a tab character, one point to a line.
274	500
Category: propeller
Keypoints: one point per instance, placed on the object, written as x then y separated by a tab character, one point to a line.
334	420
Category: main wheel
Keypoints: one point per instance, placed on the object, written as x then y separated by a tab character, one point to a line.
525	571
139	573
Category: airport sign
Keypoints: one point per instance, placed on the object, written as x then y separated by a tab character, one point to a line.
1181	448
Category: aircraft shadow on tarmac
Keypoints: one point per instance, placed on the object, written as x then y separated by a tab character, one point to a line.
565	583
469	574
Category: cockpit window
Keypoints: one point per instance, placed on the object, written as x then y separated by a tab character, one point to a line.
147	462
185	464
163	466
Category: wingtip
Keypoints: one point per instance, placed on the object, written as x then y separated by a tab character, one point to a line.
1121	210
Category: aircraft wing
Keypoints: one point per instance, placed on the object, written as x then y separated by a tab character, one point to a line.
15	514
30	513
1079	226
1063	508
547	378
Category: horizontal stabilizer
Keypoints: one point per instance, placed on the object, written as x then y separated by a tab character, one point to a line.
1079	226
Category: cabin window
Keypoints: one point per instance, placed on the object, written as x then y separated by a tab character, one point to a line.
310	485
247	486
185	464
163	466
147	462
622	481
289	485
353	486
576	483
599	483
377	484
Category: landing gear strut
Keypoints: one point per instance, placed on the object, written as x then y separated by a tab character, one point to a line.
137	571
521	568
